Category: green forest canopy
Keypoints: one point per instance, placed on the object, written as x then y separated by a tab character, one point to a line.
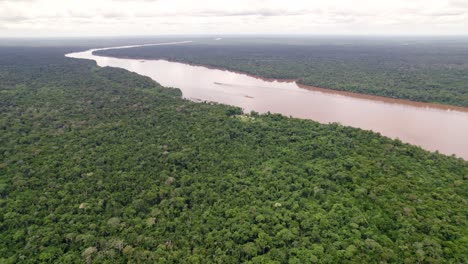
102	165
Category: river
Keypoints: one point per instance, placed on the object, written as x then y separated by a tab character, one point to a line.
430	126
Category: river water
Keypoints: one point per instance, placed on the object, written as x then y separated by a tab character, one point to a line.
431	126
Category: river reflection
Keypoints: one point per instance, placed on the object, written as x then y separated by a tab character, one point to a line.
431	126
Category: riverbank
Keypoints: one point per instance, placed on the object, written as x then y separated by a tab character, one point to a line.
308	87
422	72
431	126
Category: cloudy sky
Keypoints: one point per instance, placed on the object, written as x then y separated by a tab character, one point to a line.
25	18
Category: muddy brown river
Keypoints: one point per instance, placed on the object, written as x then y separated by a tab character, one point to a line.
431	126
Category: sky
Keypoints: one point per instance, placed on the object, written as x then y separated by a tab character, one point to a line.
74	18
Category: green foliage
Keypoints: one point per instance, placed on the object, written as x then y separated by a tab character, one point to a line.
99	165
427	70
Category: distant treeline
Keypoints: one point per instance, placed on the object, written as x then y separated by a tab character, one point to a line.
426	71
100	165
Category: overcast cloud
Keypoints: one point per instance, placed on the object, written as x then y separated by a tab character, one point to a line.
24	18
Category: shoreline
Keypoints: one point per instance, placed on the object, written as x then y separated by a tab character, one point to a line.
326	115
363	96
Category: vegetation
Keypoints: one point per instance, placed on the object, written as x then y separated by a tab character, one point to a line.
420	70
100	165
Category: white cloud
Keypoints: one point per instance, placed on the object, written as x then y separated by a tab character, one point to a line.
153	17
